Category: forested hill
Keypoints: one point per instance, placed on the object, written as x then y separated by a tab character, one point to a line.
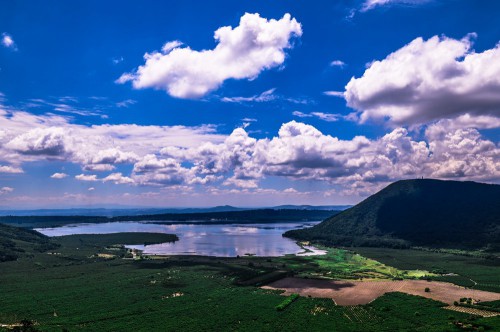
417	212
16	242
241	217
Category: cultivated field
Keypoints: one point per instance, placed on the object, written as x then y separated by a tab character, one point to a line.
363	292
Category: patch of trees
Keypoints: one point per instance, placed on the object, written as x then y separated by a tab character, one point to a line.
286	302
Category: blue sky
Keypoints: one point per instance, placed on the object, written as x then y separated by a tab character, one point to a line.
136	103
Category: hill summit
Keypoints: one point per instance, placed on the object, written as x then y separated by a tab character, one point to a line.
420	212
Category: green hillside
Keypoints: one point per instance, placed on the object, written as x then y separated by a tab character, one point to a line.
17	242
417	212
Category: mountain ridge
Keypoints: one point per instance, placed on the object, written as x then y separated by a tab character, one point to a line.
420	212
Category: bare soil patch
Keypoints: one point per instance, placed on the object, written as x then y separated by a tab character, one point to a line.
363	292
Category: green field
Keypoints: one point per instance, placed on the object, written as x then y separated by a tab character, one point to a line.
346	264
473	272
72	289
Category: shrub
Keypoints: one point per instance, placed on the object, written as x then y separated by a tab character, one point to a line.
286	302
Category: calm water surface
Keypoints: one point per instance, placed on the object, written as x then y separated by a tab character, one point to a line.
209	240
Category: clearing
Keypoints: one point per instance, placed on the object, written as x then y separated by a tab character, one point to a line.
363	292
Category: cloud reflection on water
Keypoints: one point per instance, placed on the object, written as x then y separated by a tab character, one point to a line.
226	240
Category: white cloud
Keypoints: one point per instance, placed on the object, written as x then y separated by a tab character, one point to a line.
118	178
170	46
371	4
301	114
40	141
8	41
266	96
263	97
117	60
428	80
243	52
84	177
334	93
113	156
126	103
91	189
241	183
10	169
98	167
300	151
59	175
329	117
186	158
337	63
26	137
6	190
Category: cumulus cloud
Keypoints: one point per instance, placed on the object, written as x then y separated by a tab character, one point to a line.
358	165
428	80
59	175
84	177
243	52
183	157
98	167
113	156
26	137
118	178
40	141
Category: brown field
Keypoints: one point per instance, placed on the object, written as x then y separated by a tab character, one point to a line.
363	292
473	311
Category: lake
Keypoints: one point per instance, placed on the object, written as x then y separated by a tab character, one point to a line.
227	240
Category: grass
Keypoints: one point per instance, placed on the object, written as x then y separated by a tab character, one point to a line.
346	264
473	272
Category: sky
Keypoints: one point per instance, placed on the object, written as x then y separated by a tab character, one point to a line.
247	103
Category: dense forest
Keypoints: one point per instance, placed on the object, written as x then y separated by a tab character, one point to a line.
16	242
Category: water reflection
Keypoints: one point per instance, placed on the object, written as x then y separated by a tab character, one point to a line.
209	240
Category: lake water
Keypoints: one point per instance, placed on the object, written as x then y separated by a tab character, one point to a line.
227	240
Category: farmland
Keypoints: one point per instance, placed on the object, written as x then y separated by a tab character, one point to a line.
363	292
472	272
71	288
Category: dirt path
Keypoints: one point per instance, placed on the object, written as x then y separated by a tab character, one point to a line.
363	292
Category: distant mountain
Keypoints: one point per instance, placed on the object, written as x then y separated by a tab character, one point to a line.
224	217
16	242
313	207
114	212
417	212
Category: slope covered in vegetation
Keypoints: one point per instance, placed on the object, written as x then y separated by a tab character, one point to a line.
16	242
417	212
